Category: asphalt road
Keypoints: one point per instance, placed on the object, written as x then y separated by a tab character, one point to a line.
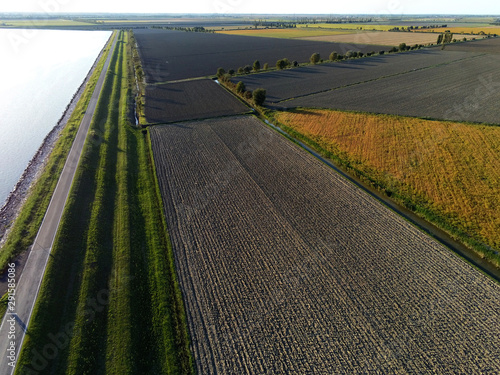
15	323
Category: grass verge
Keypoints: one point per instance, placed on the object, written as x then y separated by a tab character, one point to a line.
121	311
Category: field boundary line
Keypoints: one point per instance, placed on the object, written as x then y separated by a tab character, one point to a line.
378	78
421	224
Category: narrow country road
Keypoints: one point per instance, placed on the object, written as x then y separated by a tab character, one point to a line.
15	323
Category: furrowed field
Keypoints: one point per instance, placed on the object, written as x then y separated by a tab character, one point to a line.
444	169
304	81
189	100
460	91
285	267
175	55
490	45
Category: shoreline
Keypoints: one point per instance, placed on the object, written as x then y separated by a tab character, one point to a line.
18	195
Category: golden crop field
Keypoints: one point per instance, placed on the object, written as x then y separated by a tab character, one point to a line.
378	38
446	167
466	30
286	33
347	26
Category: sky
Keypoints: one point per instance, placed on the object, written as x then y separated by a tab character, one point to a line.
391	7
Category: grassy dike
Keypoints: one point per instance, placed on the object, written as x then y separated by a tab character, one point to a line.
25	227
120	310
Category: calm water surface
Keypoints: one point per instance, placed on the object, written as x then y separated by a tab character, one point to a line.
41	71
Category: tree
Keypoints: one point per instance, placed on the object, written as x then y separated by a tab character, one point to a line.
259	96
256	65
230	71
247	69
240	70
402	47
295	63
440	39
220	72
240	87
266	66
381	52
333	56
315	57
281	64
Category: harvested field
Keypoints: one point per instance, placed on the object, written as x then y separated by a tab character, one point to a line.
447	168
458	31
292	83
287	33
174	55
189	100
489	45
285	267
379	38
461	91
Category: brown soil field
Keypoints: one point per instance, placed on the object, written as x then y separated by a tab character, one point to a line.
451	168
489	45
286	267
189	100
379	38
464	90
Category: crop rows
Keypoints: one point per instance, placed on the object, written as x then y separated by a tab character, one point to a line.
287	267
286	84
461	91
176	55
189	100
490	45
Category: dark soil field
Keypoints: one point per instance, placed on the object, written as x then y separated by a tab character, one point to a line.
467	90
189	100
292	83
489	45
174	55
285	267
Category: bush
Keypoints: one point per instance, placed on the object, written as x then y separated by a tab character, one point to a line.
231	72
256	65
240	70
248	95
220	72
266	66
240	87
281	64
259	96
315	57
333	56
402	47
295	63
247	69
381	52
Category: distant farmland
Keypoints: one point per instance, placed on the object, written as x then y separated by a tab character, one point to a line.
189	100
449	169
287	267
293	83
175	55
379	38
461	91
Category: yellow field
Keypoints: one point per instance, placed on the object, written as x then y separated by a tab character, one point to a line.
347	26
285	33
467	30
378	38
449	168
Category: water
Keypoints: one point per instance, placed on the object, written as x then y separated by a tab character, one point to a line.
41	71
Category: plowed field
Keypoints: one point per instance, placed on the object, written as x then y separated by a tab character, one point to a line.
189	100
286	267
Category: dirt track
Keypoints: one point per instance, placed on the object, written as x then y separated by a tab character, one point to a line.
288	268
